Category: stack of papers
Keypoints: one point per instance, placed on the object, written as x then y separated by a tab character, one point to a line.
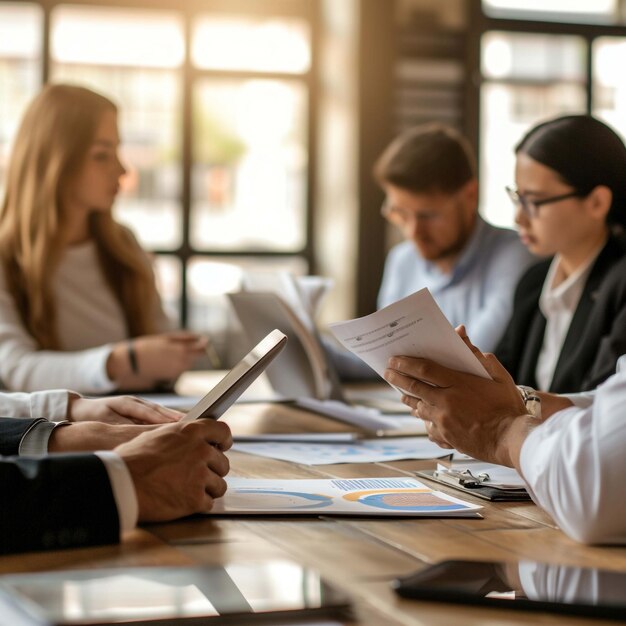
300	437
355	496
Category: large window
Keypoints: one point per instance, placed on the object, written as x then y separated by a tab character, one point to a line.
215	120
20	69
527	78
532	70
250	164
141	74
609	81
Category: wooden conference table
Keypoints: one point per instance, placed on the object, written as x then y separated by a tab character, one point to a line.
360	555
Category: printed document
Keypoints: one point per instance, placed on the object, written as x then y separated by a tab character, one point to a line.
413	326
366	451
340	496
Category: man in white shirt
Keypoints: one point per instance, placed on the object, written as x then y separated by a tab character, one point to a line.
572	459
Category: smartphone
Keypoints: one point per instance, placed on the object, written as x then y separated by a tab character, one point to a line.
268	592
238	379
525	585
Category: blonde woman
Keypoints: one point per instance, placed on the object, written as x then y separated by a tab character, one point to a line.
79	308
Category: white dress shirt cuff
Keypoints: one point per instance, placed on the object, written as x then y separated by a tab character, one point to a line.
581	400
123	489
49	404
537	448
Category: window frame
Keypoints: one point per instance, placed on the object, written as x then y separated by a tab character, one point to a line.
481	23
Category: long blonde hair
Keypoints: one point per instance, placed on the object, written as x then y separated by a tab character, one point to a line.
51	144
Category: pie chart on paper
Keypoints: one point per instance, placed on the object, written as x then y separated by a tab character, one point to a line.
267	499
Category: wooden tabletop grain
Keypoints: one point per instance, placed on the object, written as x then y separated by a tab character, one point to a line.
358	554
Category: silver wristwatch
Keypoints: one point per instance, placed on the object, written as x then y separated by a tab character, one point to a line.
531	400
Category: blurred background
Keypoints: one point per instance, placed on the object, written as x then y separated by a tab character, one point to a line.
250	126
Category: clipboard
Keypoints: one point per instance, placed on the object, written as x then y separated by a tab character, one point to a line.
477	486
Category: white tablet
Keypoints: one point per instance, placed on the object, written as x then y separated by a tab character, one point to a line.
224	394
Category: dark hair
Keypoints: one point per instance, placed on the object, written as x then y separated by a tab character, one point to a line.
432	157
585	153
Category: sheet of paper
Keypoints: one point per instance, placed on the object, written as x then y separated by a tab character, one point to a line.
300	437
351	496
198	383
185	403
363	417
172	400
413	326
367	451
313	290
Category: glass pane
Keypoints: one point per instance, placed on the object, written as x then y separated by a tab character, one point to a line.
529	78
254	44
108	36
250	159
149	101
581	11
525	56
507	113
168	276
609	82
20	68
209	309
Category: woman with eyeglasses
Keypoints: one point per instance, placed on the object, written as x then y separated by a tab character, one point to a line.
79	307
568	327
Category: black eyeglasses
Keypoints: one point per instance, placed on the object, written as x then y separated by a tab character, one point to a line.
531	207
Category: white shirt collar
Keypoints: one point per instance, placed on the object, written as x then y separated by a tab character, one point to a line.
567	294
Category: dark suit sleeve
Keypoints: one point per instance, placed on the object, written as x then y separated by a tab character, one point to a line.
514	344
59	501
609	319
11	432
506	349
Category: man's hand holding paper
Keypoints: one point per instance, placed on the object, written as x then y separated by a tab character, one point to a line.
411	327
448	382
477	416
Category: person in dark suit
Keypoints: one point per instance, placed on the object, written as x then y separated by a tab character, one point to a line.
72	500
568	326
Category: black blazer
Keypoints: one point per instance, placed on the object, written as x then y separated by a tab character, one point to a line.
597	334
53	502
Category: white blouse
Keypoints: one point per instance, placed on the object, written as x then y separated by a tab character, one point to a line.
89	321
558	305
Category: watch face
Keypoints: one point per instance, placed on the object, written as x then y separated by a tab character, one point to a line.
526	391
533	406
531	400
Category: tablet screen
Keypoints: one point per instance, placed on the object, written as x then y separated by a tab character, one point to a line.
159	595
226	392
526	585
